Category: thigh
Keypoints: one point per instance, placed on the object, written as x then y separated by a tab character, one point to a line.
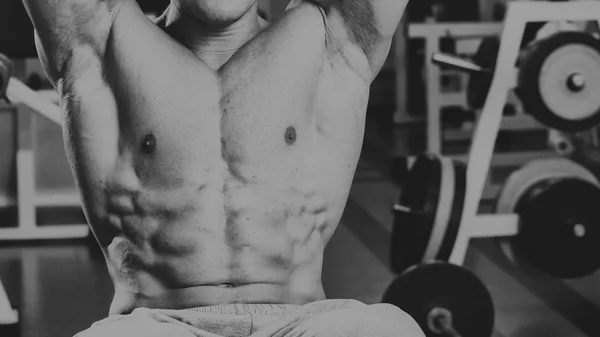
140	323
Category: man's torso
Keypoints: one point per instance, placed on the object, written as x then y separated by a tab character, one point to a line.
224	186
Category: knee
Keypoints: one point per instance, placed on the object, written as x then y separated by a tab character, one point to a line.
380	320
394	319
140	323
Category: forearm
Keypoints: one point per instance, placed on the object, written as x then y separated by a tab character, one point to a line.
62	25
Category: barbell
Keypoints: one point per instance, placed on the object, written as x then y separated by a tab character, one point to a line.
558	78
444	299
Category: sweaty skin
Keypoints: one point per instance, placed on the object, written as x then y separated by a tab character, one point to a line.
213	167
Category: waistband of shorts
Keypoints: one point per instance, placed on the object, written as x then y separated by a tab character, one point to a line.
247	308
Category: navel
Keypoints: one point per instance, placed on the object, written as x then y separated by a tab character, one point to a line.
290	135
148	144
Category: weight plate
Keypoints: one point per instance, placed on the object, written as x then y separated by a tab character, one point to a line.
559	81
455	219
559	227
517	186
438	285
480	83
415	214
532	173
443	211
550	28
429	215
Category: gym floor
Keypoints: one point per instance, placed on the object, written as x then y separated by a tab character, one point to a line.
61	288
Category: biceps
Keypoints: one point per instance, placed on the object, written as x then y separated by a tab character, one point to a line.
60	25
91	120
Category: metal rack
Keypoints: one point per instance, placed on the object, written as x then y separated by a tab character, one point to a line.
467	37
26	103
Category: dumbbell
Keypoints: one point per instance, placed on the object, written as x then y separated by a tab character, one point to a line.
558	78
444	299
5	74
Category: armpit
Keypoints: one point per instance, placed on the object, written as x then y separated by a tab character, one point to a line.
359	20
341	44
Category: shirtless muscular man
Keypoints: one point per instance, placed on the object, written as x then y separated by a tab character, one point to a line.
214	153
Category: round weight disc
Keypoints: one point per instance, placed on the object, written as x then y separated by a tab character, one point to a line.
415	218
426	287
559	81
429	217
553	27
455	219
559	227
480	83
533	172
520	182
443	210
580	64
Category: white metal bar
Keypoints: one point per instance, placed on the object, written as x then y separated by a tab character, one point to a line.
50	95
437	30
488	125
434	128
48	199
25	171
18	92
511	159
493	225
518	123
49	232
60	198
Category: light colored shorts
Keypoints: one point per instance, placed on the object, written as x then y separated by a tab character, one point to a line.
329	318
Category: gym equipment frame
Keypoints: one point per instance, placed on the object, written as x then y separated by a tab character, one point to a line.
487	128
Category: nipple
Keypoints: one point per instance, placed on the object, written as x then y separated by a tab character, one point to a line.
290	135
149	144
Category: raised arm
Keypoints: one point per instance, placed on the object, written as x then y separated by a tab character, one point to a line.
63	27
72	38
367	24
